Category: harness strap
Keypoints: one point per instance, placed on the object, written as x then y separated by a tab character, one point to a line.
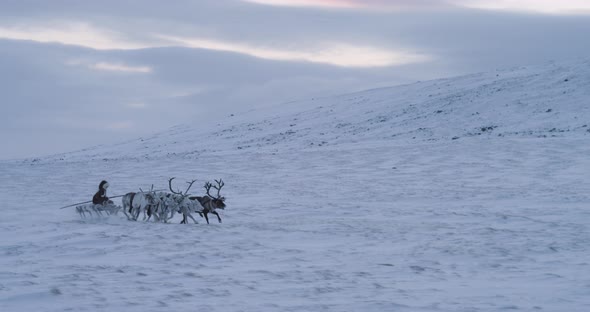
209	207
131	202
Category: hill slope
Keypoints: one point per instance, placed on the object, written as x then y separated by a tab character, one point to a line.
362	202
551	100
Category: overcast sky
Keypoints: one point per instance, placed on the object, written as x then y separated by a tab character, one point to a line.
79	73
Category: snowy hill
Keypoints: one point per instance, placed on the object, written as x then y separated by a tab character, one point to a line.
542	101
460	194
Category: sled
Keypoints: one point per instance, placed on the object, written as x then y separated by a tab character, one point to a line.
93	211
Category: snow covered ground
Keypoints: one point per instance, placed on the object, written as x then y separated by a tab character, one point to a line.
462	194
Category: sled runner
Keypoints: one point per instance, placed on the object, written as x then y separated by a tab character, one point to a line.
97	210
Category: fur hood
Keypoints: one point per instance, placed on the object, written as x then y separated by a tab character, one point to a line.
103	185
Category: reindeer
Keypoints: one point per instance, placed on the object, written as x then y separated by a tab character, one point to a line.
210	202
182	204
135	203
165	201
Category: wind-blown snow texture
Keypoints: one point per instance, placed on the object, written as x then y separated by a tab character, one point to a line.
462	194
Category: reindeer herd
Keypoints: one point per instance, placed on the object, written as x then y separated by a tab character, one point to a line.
162	206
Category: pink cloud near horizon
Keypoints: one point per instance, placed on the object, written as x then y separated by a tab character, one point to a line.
533	6
355	3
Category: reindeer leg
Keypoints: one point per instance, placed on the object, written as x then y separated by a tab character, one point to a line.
156	215
125	212
134	213
206	218
164	216
218	217
195	221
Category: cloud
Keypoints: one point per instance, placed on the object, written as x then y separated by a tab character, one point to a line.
111	67
120	68
339	54
73	33
318	3
355	4
538	6
557	7
347	54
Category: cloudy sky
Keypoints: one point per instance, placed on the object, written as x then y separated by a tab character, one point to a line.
78	73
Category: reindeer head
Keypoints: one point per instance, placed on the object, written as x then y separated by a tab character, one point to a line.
178	196
150	196
165	199
218	201
151	199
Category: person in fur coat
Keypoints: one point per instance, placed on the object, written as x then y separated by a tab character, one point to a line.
100	198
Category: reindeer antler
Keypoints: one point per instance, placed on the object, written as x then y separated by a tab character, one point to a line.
218	187
170	187
190	184
207	187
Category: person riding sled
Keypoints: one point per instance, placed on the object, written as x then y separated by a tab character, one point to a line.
100	198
